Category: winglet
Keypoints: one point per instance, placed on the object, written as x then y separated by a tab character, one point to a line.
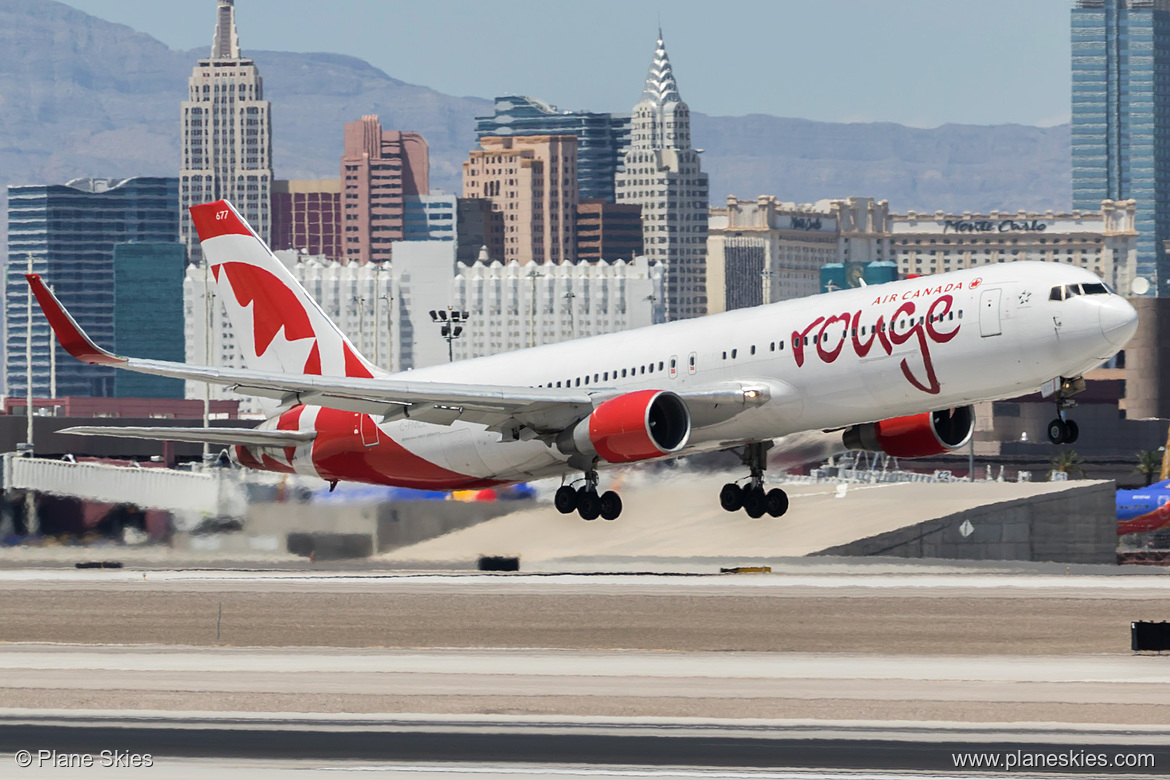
69	333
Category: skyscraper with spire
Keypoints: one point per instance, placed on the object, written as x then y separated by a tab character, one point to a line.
227	135
662	175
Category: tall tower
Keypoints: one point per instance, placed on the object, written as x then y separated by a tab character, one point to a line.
662	175
1120	129
379	169
227	135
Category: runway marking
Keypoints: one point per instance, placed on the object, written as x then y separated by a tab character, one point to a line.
667	581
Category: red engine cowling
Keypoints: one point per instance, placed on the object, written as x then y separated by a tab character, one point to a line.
916	435
635	426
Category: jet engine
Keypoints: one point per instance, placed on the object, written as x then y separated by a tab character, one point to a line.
635	426
916	435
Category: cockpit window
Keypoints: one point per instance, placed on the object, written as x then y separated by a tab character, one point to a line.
1067	291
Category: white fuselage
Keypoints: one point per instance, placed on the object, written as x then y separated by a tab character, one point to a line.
872	353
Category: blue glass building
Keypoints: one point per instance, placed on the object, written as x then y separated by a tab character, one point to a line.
429	217
601	138
70	232
148	315
1120	119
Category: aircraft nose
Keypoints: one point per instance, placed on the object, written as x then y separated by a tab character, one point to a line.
1119	320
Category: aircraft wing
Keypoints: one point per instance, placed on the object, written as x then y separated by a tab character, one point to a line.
500	407
227	436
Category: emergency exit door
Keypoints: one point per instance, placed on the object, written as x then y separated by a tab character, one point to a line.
989	301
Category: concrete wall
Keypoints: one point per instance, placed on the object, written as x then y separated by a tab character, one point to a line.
1077	525
358	530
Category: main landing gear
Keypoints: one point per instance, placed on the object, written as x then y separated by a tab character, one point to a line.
752	497
586	502
1063	430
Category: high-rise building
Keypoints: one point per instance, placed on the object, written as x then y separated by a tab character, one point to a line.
429	217
601	138
663	175
608	231
1121	121
148	315
532	182
306	215
379	169
227	135
70	232
477	227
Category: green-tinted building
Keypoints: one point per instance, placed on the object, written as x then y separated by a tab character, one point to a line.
148	314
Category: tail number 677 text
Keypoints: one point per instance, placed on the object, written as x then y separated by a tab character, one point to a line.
222	214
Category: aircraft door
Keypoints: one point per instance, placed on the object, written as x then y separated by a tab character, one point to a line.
989	312
692	362
673	366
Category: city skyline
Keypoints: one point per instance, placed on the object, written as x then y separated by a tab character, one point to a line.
1008	63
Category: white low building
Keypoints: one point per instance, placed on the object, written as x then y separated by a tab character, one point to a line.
516	306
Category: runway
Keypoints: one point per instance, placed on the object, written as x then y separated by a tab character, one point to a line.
887	666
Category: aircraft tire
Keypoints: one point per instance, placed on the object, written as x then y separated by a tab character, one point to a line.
588	505
731	497
755	502
565	500
611	505
1072	432
1057	431
777	502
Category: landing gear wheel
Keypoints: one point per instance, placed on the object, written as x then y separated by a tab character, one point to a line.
777	502
1057	431
565	500
588	504
755	502
1073	431
731	497
610	504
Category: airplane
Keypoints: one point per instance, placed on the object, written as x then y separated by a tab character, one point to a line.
893	367
1144	510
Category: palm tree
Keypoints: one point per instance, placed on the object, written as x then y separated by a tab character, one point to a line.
1149	463
1068	462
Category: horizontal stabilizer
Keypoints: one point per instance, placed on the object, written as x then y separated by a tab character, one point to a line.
246	436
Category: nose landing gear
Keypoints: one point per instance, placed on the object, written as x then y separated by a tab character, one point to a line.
586	502
1063	430
752	497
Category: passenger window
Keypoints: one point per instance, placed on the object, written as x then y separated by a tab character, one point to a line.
781	346
960	314
558	384
623	373
644	368
725	354
578	381
607	375
659	365
595	378
773	348
733	352
586	379
753	349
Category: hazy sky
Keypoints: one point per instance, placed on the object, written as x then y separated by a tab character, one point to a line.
917	62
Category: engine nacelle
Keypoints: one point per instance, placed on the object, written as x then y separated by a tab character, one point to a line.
916	435
635	426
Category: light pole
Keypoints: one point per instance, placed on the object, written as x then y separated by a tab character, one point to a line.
532	275
451	324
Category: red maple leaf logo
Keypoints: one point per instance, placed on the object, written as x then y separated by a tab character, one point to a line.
976	282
